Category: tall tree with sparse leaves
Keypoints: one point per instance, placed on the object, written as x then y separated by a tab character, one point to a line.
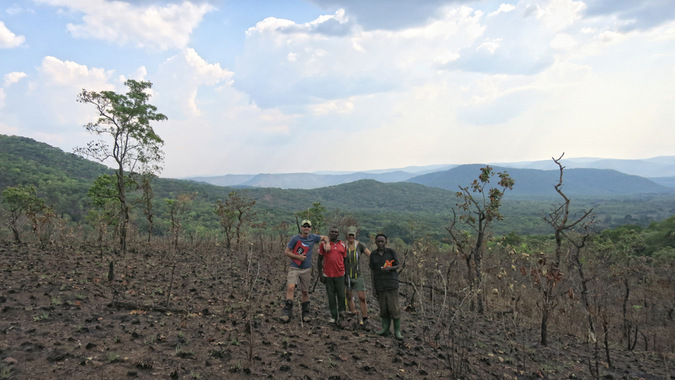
128	141
478	207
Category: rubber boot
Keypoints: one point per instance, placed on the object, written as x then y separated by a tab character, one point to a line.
287	311
386	323
305	312
397	329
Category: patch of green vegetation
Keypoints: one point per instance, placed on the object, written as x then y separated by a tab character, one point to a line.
184	354
5	371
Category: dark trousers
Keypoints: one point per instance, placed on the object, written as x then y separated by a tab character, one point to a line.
335	288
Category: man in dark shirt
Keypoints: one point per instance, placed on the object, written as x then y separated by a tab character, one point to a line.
384	265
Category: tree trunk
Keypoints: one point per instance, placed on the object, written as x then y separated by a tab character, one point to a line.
124	209
544	324
478	259
15	231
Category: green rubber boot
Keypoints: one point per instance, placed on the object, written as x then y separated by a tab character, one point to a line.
386	323
397	329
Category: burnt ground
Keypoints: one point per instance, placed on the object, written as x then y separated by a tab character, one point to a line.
201	315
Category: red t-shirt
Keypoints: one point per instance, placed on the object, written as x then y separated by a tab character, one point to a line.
334	260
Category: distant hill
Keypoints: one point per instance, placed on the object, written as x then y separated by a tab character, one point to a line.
663	166
540	183
660	170
224	180
301	180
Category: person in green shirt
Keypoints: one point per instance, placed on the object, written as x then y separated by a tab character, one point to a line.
354	279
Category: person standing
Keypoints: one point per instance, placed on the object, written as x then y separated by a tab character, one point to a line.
384	267
354	280
331	265
299	249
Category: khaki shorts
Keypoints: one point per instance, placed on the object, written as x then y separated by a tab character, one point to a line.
356	284
299	276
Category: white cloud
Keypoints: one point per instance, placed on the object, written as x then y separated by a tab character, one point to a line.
330	25
151	26
8	39
289	64
333	107
56	89
563	41
503	8
13	77
180	78
559	14
56	72
489	45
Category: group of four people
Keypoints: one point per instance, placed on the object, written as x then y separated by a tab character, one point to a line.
339	269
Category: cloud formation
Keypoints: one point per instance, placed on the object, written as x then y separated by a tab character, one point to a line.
254	87
151	26
8	39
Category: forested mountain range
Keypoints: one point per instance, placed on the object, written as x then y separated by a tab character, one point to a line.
659	170
540	183
63	179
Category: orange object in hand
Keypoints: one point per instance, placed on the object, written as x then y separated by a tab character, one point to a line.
388	263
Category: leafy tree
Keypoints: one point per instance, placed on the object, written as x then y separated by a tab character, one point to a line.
177	208
227	219
23	200
124	121
479	207
233	213
315	214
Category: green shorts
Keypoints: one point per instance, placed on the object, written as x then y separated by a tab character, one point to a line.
357	284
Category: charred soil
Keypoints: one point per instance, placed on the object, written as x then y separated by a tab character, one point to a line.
203	314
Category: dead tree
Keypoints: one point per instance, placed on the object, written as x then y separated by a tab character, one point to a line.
560	220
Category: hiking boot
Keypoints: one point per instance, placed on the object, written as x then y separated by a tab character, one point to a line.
397	329
332	320
287	311
364	324
305	312
386	323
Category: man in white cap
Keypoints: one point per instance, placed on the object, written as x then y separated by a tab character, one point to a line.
299	249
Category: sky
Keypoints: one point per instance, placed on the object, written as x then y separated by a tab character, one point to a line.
287	86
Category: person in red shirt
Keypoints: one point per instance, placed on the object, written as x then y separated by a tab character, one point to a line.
331	265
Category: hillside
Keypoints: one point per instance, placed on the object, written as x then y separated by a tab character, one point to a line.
63	179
